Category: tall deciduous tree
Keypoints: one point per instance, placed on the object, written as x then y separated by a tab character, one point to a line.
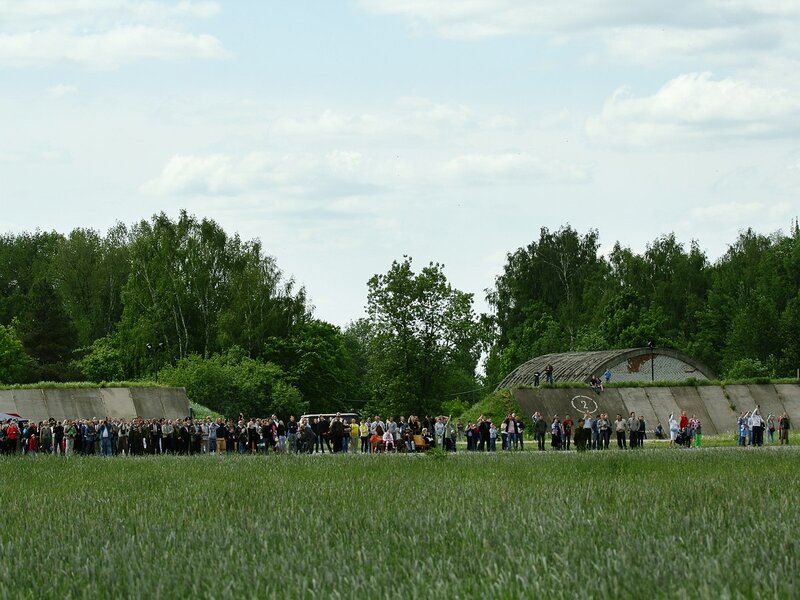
318	363
14	361
425	338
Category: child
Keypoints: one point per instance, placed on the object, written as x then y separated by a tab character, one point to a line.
388	441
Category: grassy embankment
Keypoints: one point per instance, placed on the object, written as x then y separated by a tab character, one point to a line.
714	524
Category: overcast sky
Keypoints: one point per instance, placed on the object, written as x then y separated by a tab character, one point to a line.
347	133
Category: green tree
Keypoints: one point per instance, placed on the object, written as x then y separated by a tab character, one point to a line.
558	278
424	338
232	383
47	332
14	361
89	271
318	363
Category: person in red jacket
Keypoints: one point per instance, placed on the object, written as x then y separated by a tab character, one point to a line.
12	435
684	421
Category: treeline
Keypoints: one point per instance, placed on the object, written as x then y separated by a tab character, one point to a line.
740	314
183	302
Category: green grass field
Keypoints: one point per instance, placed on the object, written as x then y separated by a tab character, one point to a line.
714	523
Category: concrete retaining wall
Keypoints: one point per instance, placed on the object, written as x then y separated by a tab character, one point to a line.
87	403
717	407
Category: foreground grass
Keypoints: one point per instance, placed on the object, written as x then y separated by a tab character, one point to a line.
715	523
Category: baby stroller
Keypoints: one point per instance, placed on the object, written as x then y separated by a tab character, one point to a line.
683	438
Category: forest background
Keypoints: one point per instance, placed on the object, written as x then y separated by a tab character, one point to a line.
182	302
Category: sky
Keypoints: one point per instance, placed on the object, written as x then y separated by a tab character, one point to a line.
345	134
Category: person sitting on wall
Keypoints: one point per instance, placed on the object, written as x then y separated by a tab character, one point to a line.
596	384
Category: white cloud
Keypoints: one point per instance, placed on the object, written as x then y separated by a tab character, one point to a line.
649	45
415	116
60	90
512	166
694	105
742	212
71	12
478	18
335	174
728	211
639	32
102	33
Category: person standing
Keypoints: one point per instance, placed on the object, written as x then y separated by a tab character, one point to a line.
71	433
492	437
122	438
337	432
642	433
58	437
771	429
595	428
604	425
520	430
674	429
742	425
221	432
581	434
784	424
620	426
758	428
87	431
12	437
105	438
540	430
166	436
511	431
698	434
212	437
291	437
45	437
555	433
633	429
548	373
684	420
567	425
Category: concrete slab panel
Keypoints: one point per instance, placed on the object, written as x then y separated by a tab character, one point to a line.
687	398
30	404
636	400
118	403
60	404
663	404
740	397
81	403
547	402
766	396
175	403
147	402
610	402
790	397
7	404
718	407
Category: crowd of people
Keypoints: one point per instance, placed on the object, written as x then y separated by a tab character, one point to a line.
135	437
752	426
109	437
